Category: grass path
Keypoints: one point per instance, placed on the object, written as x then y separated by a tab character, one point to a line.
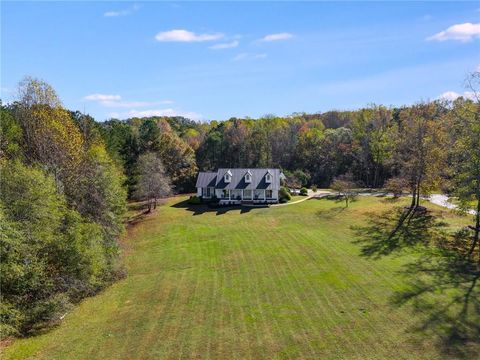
281	283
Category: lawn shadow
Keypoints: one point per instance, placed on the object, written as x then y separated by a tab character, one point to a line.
391	199
397	229
442	283
444	290
199	209
331	212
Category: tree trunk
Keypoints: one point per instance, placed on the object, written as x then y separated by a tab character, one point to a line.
414	197
476	234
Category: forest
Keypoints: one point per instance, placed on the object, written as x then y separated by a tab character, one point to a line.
66	178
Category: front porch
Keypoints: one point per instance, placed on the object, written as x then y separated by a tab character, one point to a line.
238	197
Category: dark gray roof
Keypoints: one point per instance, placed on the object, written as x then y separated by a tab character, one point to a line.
206	179
258	179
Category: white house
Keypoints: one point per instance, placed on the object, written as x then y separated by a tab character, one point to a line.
236	186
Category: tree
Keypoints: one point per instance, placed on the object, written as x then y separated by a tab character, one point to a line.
153	183
50	256
149	136
345	187
419	155
396	185
177	158
467	154
11	135
50	135
99	195
372	128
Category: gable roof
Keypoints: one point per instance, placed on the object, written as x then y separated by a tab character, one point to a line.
258	179
206	179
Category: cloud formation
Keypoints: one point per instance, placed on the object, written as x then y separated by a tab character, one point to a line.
460	32
452	95
277	37
102	97
116	101
163	112
228	45
124	12
180	35
248	56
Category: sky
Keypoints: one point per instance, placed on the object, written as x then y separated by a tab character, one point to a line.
216	60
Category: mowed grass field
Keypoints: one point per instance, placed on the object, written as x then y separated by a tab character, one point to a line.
270	283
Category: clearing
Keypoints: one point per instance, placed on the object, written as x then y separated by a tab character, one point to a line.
251	283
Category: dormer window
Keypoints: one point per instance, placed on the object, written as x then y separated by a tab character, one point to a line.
268	178
227	177
248	177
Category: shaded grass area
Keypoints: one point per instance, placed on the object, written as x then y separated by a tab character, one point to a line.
443	279
286	283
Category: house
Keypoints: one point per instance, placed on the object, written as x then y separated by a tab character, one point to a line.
237	186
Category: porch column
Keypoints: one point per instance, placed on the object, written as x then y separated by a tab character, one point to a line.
264	195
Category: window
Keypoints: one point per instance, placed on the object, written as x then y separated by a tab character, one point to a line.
227	177
268	178
248	178
269	194
247	194
224	193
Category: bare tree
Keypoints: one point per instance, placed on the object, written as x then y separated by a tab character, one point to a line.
153	182
345	187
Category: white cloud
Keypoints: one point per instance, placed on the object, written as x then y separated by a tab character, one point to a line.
248	56
180	35
461	32
452	95
116	101
130	104
102	97
124	12
163	112
115	115
229	45
277	37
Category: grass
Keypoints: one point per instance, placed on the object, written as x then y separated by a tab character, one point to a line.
286	282
296	198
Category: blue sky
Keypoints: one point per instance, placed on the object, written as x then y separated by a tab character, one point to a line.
215	60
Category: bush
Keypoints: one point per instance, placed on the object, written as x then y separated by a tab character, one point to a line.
195	200
314	188
303	191
396	186
284	195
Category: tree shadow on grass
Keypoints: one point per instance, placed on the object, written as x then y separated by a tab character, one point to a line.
199	209
395	230
444	290
443	285
331	212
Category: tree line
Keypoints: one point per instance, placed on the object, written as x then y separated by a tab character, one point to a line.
66	178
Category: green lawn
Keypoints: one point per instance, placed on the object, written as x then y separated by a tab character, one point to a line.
296	198
284	282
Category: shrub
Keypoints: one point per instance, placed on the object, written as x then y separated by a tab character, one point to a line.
396	186
303	191
195	200
314	188
284	195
